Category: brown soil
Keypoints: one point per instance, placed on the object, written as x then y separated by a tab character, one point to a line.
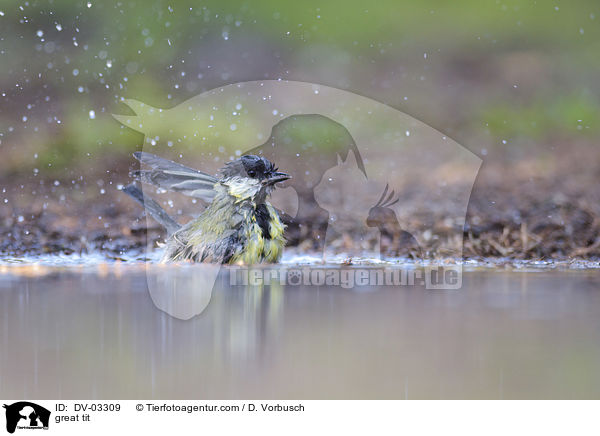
522	207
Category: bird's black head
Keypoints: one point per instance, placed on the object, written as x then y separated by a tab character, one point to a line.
254	167
257	167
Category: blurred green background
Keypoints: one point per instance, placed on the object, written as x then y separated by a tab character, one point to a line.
500	77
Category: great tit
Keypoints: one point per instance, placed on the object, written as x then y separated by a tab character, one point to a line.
238	226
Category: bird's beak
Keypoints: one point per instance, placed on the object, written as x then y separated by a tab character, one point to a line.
276	178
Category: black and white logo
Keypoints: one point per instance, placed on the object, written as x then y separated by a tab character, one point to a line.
26	415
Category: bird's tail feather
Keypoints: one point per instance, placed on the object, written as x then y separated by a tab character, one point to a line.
152	208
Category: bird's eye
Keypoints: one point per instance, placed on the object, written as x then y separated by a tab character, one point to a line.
252	173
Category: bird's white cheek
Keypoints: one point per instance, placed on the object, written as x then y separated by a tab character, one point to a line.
243	188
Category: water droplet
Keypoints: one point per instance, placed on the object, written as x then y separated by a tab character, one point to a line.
92	115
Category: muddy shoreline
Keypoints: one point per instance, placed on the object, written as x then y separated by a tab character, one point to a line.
520	209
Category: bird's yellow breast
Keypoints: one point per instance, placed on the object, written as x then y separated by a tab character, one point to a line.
259	247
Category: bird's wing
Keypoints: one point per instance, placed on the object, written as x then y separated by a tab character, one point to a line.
172	176
152	208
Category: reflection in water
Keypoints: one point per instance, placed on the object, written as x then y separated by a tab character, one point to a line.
504	335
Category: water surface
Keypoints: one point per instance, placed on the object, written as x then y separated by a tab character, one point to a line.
96	333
